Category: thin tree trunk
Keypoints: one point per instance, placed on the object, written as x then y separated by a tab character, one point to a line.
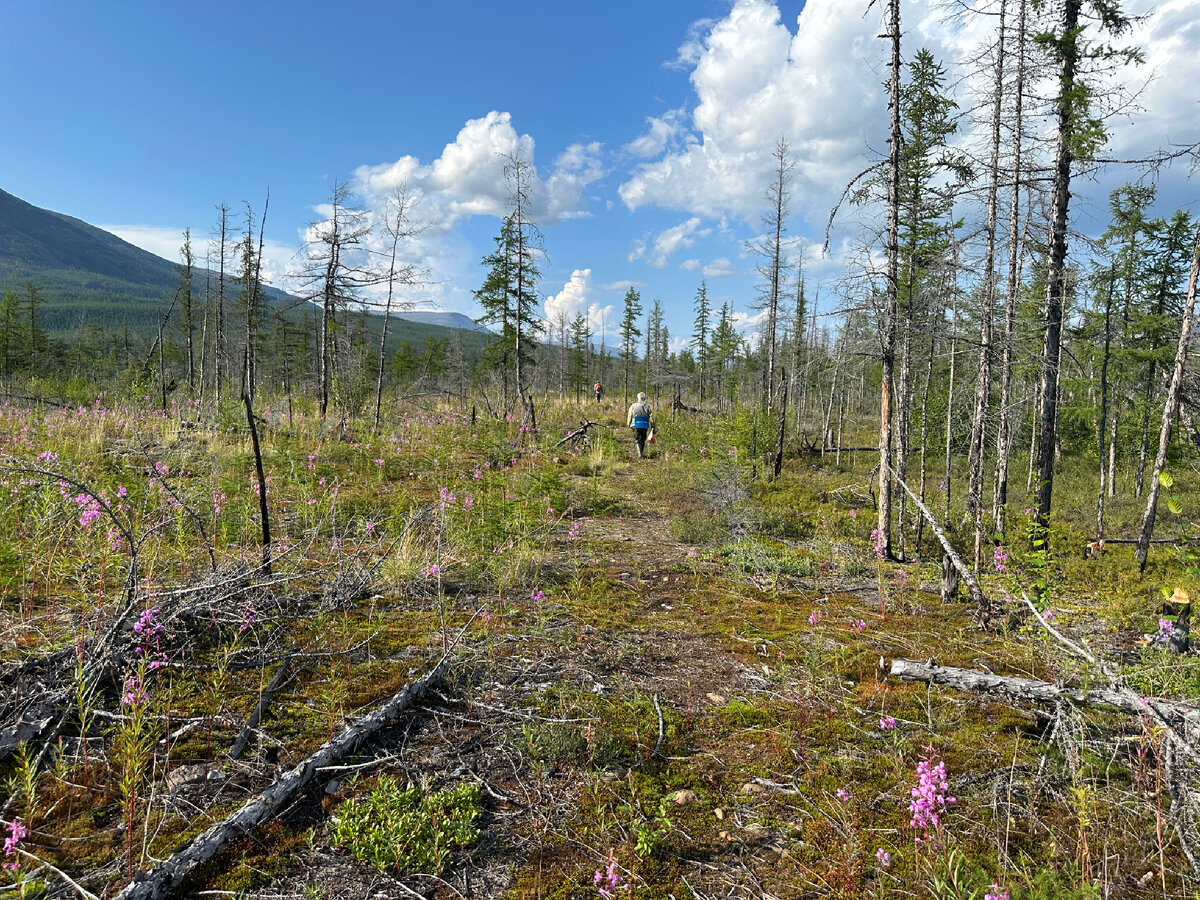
983	380
1103	423
1055	276
888	325
925	428
904	419
783	387
1143	450
950	390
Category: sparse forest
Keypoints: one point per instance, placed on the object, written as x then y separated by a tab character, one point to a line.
295	604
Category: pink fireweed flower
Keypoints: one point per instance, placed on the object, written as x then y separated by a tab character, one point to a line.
999	559
537	596
887	723
147	623
995	892
885	858
843	794
929	797
430	571
1047	615
1166	629
469	501
877	537
16	831
858	624
135	693
815	617
609	881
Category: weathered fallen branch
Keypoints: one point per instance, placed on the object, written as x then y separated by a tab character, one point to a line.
1033	691
579	433
983	606
162	879
276	682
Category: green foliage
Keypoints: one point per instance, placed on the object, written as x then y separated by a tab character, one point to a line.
394	827
699	527
651	835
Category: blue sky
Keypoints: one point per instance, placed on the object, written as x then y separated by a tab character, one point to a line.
650	125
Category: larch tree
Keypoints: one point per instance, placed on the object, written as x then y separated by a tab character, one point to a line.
507	300
525	247
770	247
1170	409
930	173
185	270
631	311
220	349
333	277
398	226
700	334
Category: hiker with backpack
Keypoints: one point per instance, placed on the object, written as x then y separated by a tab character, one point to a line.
639	421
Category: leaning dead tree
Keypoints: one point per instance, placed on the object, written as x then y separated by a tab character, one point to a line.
952	561
162	879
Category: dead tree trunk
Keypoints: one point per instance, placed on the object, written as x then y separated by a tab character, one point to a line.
783	387
888	324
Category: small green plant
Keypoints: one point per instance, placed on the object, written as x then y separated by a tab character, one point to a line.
653	833
395	827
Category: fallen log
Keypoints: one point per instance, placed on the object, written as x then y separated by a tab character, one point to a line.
264	700
581	432
158	882
1033	691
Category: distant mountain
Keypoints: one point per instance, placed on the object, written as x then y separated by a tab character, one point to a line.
85	273
88	276
446	319
36	239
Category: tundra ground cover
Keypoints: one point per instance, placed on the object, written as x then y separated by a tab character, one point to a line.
665	671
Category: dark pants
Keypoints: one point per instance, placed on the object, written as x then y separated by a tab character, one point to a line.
639	435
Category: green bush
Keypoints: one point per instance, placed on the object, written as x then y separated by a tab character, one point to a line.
699	527
396	827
